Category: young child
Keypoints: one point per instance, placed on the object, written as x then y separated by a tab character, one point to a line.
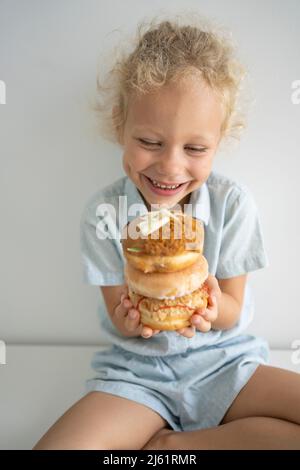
170	103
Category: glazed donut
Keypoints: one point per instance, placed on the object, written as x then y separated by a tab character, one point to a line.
167	285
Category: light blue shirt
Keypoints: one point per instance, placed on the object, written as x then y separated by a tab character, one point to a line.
233	246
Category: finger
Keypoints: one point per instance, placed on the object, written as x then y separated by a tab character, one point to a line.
132	320
124	291
211	314
202	325
212	299
127	304
188	332
155	332
199	311
196	318
147	332
120	311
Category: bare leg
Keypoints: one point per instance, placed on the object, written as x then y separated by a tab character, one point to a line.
103	421
241	434
264	415
272	392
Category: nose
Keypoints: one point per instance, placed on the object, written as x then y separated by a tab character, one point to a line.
170	163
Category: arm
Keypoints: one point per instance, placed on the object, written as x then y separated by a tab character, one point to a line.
224	304
230	302
112	296
118	309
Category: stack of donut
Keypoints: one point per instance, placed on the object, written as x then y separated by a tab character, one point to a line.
165	269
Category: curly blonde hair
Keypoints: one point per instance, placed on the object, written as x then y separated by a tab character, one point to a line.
170	50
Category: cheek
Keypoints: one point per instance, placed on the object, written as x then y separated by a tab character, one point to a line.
136	159
200	169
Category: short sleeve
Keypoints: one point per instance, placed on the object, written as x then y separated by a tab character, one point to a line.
242	246
101	258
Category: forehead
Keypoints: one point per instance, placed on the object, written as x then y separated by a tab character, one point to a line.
187	107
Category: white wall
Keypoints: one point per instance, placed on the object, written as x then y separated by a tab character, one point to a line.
52	159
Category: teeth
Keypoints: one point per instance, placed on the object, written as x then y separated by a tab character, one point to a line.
164	186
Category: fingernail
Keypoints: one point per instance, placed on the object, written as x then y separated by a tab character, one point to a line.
132	314
197	321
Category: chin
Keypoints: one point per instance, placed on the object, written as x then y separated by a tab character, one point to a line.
169	201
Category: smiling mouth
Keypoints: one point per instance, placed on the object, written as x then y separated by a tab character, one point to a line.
165	186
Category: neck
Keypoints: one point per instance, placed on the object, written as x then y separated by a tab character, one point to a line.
183	201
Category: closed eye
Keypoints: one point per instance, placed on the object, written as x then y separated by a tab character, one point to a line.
145	142
197	149
151	144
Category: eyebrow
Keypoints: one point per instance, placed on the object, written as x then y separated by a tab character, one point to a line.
193	136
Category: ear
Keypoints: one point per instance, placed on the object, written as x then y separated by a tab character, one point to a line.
115	112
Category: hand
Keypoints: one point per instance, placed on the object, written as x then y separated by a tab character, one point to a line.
202	319
127	319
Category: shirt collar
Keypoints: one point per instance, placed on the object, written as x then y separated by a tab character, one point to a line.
135	203
199	202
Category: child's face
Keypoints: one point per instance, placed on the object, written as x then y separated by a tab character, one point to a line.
183	128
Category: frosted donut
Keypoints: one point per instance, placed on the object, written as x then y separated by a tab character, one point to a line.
171	248
167	285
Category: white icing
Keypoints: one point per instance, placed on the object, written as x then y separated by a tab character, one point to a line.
180	294
154	220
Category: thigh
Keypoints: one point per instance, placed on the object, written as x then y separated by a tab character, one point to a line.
103	421
271	392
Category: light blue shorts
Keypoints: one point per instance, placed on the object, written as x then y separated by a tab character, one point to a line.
190	391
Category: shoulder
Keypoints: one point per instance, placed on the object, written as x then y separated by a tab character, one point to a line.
99	237
106	199
222	184
226	191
